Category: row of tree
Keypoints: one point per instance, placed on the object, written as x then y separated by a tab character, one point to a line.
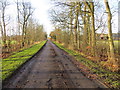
25	32
75	28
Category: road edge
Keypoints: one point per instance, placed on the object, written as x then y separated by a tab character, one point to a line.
73	58
20	67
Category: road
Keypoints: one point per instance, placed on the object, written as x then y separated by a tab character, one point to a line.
50	68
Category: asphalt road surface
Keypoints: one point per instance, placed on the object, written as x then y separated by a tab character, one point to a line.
50	68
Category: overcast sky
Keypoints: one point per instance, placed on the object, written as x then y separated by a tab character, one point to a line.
41	12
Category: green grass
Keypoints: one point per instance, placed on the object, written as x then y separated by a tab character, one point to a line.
11	42
116	44
17	59
112	78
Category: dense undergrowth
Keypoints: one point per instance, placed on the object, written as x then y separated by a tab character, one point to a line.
10	64
111	79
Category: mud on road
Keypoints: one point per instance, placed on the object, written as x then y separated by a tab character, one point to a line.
50	68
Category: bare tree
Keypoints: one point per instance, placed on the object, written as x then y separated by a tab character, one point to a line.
24	10
82	33
111	44
3	22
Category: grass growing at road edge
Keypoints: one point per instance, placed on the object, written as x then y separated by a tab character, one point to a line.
10	64
108	77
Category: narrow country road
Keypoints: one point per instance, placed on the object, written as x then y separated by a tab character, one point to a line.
50	68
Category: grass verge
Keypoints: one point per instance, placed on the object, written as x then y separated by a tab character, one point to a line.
111	79
10	64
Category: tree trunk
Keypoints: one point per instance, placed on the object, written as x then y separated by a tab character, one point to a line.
71	31
85	31
93	29
1	28
111	44
75	26
93	35
4	27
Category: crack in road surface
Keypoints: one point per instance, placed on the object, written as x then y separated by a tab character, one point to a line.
50	68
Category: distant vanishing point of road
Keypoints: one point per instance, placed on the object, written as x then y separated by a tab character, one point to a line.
50	68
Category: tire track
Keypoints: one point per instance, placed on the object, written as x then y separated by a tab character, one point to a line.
50	68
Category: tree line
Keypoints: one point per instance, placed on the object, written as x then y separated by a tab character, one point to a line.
76	24
26	32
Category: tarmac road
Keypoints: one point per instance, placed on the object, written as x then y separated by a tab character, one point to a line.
50	68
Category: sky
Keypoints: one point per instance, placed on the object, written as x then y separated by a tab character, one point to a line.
42	8
42	15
